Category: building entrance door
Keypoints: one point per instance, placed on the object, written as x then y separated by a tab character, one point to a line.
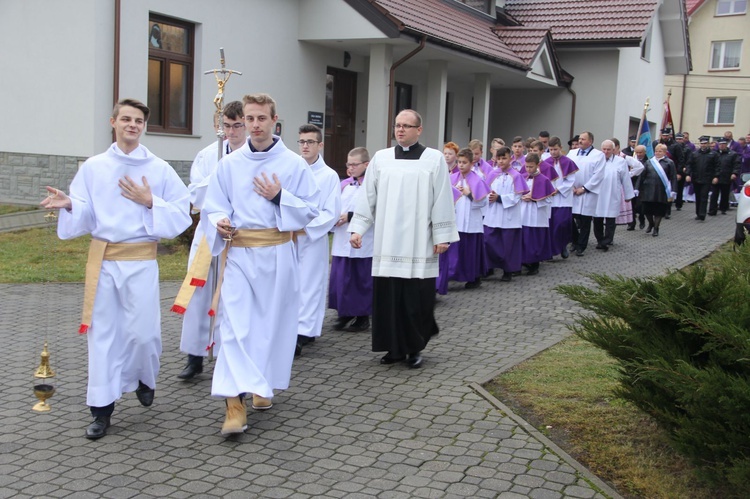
341	110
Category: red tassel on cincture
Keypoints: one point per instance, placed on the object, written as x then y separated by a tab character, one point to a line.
83	329
211	313
198	283
177	309
209	347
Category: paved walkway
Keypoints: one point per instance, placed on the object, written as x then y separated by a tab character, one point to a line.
22	220
347	427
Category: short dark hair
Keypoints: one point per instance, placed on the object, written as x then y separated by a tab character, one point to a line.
466	153
532	157
132	103
502	151
544	133
517	138
591	135
555	142
310	128
233	110
615	141
538	144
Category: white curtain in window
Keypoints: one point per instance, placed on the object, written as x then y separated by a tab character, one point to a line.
726	110
732	54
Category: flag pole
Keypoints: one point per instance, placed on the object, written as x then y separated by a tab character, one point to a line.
643	117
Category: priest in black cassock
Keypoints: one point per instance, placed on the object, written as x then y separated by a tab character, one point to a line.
408	202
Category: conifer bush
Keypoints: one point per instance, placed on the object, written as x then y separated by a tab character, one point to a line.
682	343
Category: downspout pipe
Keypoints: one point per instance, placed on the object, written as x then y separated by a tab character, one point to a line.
392	83
682	101
116	69
572	112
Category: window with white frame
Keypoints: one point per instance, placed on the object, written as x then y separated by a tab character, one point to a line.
726	55
720	110
730	7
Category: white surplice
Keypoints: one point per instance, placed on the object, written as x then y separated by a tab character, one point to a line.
589	167
469	212
259	304
505	212
412	202
564	186
610	185
312	249
340	244
124	340
196	321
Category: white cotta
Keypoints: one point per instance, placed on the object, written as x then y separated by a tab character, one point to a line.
312	251
410	202
588	167
505	212
124	339
564	186
340	244
259	304
611	184
469	213
535	213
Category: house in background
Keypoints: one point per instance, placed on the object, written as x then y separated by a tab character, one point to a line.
715	96
472	68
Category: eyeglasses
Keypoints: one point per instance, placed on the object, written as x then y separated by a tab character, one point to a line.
352	165
307	142
236	126
401	126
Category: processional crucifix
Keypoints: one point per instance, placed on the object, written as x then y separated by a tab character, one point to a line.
222	75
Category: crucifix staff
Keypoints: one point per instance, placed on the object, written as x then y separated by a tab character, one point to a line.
222	75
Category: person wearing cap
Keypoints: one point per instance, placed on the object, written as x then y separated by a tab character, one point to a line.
701	172
729	170
732	144
573	143
630	150
687	154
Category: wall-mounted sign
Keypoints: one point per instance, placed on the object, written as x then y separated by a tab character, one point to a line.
315	118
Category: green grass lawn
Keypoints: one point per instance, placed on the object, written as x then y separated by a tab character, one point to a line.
37	255
566	392
6	209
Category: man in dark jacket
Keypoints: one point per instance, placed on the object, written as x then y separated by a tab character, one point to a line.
729	170
687	154
702	172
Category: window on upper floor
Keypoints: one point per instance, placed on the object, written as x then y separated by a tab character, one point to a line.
730	7
726	55
486	6
170	75
720	110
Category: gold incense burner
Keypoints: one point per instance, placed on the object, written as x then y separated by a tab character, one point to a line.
43	391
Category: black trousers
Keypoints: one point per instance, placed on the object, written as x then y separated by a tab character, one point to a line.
716	190
107	410
581	231
403	315
604	230
680	187
701	198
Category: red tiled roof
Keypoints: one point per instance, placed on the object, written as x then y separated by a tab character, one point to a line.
523	41
453	27
586	20
692	6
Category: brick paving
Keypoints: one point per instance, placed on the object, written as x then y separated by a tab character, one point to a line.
347	427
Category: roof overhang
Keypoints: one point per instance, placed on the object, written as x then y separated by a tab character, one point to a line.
672	18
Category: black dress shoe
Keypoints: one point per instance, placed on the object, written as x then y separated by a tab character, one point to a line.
631	227
473	284
579	252
387	359
304	340
342	322
656	232
641	225
361	323
650	228
297	350
414	361
194	367
565	253
98	428
507	277
145	394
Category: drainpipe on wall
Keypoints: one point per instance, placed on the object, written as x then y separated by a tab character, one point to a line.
116	70
572	112
682	101
392	83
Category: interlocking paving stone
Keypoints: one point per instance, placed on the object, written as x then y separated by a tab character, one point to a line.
346	427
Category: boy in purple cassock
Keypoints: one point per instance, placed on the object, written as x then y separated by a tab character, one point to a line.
465	260
502	219
535	216
350	282
481	166
561	217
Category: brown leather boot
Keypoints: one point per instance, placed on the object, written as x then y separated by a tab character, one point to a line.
236	420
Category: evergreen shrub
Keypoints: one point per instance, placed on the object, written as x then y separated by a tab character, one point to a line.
682	343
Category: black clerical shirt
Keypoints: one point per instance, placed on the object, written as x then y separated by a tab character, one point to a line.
413	152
